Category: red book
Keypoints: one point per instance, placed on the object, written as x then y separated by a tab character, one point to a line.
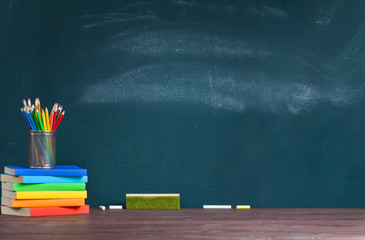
44	211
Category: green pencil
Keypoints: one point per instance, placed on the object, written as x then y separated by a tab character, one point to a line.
40	120
35	120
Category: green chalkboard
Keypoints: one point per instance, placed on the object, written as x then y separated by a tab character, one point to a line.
225	102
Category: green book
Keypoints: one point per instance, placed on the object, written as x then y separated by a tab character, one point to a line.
43	186
153	201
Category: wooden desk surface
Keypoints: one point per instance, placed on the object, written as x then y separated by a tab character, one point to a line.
263	224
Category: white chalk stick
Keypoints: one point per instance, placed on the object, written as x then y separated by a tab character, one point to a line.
217	206
102	207
115	207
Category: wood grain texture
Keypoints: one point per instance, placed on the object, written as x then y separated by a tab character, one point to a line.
252	224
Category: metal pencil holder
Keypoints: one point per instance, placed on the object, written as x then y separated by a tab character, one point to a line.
42	149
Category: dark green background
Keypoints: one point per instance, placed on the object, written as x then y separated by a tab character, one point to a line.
224	102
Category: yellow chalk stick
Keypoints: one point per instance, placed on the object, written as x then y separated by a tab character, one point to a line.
243	207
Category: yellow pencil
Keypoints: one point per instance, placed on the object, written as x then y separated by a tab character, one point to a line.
44	121
47	120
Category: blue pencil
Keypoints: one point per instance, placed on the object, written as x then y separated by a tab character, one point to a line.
31	121
32	124
26	119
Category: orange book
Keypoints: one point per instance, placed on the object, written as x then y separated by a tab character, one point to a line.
67	202
44	211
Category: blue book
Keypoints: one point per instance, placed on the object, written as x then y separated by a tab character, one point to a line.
42	179
58	170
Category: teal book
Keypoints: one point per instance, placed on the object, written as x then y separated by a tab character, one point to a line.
42	179
58	170
43	186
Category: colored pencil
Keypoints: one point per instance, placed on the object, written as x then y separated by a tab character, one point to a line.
25	110
54	109
51	119
26	120
34	108
44	121
47	120
59	120
35	120
36	104
59	111
39	106
39	120
30	117
54	119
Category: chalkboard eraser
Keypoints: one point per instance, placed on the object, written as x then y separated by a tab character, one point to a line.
243	207
217	206
153	201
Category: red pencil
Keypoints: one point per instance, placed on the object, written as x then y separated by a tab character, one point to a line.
51	119
59	120
54	109
54	119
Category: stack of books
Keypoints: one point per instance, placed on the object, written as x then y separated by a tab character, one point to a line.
44	192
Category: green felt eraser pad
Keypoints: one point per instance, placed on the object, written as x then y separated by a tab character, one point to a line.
153	201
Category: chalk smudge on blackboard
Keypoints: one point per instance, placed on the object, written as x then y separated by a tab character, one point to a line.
267	11
220	88
185	3
326	12
137	4
274	12
202	6
11	4
7	8
324	20
356	45
185	42
97	20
